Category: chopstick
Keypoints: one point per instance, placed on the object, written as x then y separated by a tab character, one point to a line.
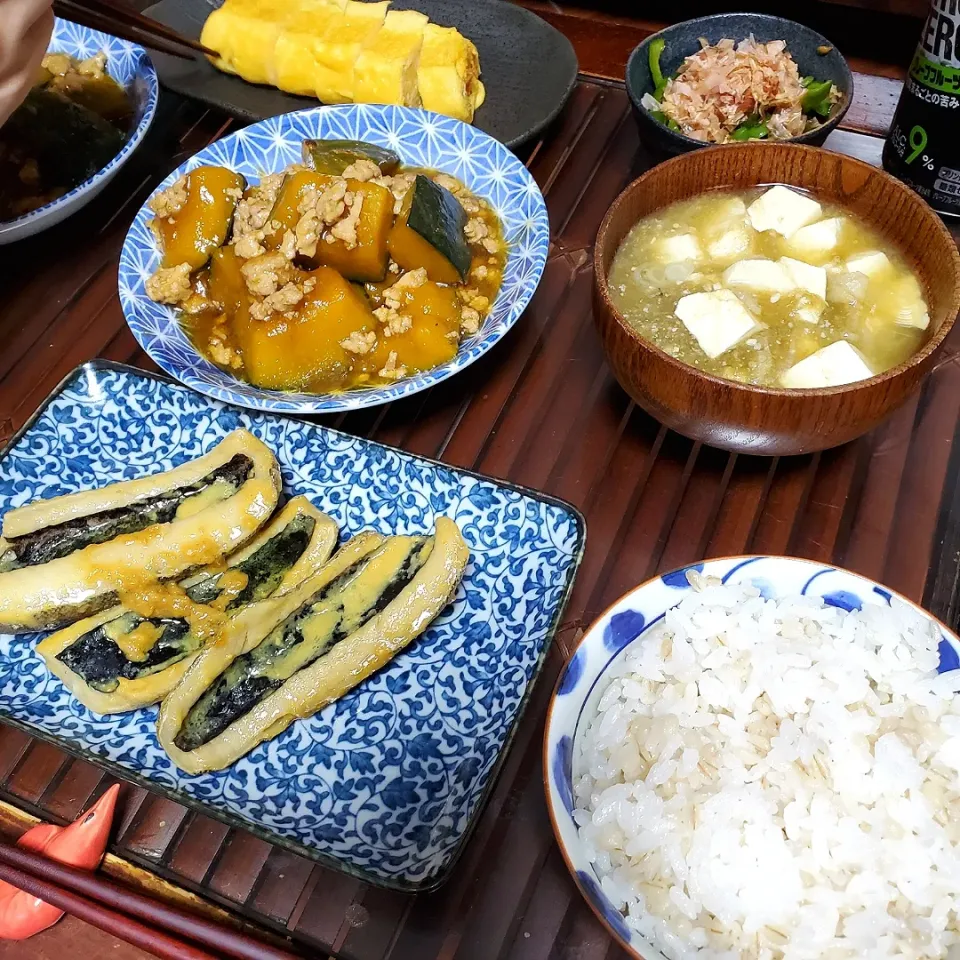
113	16
160	944
111	907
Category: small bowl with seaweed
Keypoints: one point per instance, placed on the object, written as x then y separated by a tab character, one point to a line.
92	103
733	77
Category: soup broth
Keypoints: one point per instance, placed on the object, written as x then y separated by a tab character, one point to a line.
748	285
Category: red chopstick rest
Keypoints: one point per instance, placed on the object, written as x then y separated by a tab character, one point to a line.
81	844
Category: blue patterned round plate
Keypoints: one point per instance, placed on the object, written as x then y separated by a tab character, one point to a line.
580	686
421	139
130	66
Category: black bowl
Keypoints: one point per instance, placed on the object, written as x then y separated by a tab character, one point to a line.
683	39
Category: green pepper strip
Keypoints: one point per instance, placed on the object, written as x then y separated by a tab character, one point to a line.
815	100
656	74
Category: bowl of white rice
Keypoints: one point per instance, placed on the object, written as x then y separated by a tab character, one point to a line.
759	757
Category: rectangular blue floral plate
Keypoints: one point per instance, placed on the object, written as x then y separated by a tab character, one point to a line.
387	783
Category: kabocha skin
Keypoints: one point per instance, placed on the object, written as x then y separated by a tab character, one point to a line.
120	660
298	652
70	557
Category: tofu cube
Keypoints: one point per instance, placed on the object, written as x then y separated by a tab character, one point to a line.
911	310
817	241
684	246
731	244
716	319
811	279
761	276
783	210
872	263
833	366
725	212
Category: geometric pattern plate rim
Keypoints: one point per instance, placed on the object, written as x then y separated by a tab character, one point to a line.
420	138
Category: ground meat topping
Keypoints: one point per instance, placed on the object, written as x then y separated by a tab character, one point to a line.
361	169
409	282
399	184
253	210
249	246
346	228
170	201
221	352
359	342
392	370
282	301
170	284
469	321
265	274
475	230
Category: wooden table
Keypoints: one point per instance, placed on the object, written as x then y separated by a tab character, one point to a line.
542	410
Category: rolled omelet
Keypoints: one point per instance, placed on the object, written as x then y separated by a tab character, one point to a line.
71	556
386	70
134	654
292	655
336	52
244	33
448	75
298	52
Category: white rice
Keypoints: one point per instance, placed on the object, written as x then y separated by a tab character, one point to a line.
778	778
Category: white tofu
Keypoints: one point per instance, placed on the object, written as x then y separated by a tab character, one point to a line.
872	263
817	240
911	311
731	244
833	366
805	277
724	212
809	312
783	210
761	276
717	320
684	246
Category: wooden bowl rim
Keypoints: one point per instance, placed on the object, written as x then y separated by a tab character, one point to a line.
832	121
601	285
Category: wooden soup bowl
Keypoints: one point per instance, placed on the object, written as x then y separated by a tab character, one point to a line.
771	420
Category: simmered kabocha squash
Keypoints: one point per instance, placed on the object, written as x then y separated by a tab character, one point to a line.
334	156
433	336
304	350
203	222
133	655
429	233
286	212
367	259
313	287
225	283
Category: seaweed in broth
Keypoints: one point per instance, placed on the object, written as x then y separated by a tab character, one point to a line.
690	246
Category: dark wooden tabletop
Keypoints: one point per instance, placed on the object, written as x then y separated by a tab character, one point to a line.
541	410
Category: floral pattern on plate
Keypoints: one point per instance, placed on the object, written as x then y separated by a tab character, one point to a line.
387	782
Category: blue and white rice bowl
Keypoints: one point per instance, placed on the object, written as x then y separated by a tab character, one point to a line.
573	742
421	139
132	68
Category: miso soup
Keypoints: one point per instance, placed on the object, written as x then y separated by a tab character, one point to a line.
769	287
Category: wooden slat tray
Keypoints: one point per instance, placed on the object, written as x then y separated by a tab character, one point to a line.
541	410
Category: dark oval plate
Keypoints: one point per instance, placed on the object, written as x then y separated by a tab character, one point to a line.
528	67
